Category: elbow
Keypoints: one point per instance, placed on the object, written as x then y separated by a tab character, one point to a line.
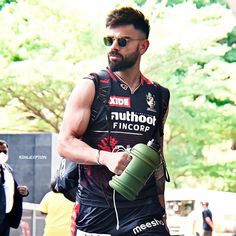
61	146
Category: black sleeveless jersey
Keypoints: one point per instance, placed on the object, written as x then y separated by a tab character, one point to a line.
130	118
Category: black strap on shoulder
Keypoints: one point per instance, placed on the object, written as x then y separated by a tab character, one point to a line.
163	96
103	89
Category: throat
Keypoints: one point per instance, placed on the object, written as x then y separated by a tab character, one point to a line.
133	85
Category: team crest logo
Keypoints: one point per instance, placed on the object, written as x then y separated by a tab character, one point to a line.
150	99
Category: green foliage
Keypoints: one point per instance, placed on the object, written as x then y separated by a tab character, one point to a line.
230	56
203	102
203	3
140	2
4	2
218	176
231	37
199	3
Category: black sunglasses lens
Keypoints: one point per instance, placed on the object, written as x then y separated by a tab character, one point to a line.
108	41
122	42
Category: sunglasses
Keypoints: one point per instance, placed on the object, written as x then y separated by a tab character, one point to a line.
122	41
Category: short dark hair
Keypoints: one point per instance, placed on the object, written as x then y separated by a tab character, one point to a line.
2	142
53	186
128	16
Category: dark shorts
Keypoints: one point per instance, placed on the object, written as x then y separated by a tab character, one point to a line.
141	221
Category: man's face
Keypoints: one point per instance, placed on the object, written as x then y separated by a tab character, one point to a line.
3	148
126	47
3	153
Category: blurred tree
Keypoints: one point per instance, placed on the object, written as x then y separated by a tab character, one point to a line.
203	95
40	49
199	3
4	2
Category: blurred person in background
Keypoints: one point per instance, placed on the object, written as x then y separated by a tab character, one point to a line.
58	211
10	194
207	219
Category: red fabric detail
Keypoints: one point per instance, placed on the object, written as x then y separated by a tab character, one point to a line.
73	218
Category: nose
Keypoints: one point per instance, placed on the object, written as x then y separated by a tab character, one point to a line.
115	45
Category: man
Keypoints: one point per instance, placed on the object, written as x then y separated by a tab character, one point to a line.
207	219
131	117
11	194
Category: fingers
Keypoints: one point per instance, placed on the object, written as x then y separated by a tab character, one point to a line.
123	163
23	190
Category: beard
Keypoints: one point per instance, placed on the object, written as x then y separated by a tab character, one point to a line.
124	63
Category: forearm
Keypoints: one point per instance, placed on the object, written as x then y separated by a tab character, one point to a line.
209	222
76	150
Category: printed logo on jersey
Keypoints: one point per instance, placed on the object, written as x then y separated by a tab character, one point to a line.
132	121
117	101
150	99
108	144
124	86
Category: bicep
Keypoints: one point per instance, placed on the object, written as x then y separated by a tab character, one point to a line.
78	109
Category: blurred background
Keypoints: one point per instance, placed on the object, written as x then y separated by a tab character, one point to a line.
47	46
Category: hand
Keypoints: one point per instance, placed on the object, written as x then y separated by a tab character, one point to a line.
23	190
116	162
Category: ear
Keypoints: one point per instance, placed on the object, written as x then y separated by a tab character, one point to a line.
144	46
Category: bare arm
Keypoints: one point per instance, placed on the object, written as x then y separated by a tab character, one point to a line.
74	124
209	222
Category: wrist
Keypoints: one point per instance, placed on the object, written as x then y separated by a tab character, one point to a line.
98	158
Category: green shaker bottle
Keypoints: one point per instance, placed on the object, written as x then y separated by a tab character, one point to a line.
145	159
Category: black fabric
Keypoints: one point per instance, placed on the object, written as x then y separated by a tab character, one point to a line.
14	216
132	121
67	179
2	202
144	221
5	227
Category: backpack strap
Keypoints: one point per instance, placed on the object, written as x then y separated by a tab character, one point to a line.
100	102
164	97
103	89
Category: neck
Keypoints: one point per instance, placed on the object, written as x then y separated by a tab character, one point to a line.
132	79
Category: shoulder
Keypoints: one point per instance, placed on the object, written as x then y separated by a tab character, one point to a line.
160	88
99	77
82	93
165	92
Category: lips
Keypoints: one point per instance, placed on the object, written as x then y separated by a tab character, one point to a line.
114	56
